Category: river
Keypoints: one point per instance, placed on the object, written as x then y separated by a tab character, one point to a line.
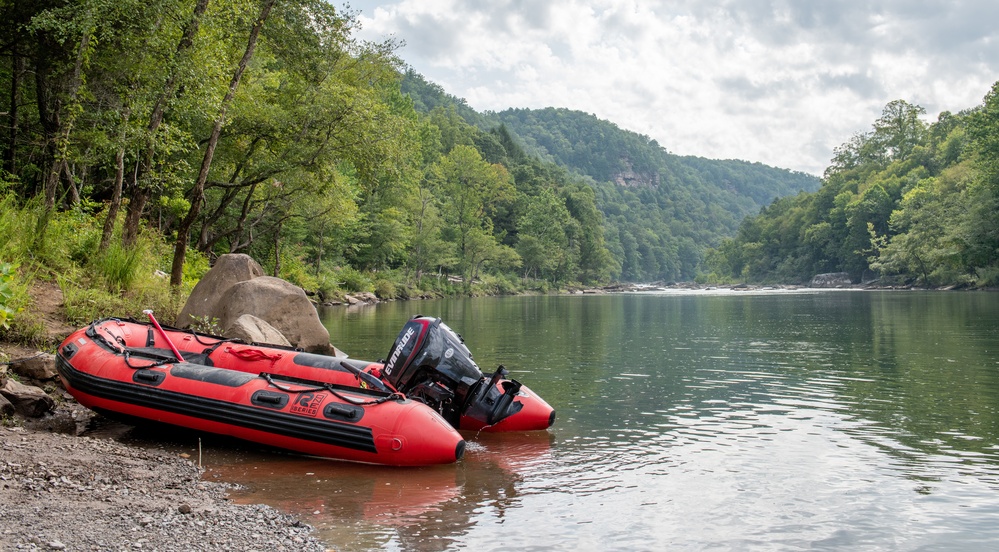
830	420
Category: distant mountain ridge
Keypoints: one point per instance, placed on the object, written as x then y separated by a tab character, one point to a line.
661	210
603	151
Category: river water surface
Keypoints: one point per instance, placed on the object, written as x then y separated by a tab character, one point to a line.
834	420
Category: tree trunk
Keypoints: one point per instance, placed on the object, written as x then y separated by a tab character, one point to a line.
71	188
61	144
133	214
198	192
10	156
112	216
142	191
277	251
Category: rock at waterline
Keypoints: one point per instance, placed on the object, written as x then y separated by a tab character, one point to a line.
831	280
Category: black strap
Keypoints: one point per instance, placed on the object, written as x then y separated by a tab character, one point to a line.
333	391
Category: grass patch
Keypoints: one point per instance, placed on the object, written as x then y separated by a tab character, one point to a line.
64	246
117	266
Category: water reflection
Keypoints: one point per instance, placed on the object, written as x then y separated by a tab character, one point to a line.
361	507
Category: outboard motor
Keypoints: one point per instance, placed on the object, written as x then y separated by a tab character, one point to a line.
430	363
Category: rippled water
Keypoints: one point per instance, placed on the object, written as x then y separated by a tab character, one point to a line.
833	420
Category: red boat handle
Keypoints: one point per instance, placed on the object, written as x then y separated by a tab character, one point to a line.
173	348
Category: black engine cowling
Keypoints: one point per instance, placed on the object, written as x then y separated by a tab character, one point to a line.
429	362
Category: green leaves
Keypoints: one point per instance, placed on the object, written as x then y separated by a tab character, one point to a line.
904	200
7	310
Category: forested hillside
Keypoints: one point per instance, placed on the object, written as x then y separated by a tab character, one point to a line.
150	137
907	203
661	211
262	127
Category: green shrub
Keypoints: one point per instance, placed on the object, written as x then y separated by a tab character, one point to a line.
294	270
65	241
353	280
84	305
9	301
385	289
207	325
15	224
496	285
987	276
117	266
195	266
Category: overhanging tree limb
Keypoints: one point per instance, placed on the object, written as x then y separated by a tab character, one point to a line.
197	194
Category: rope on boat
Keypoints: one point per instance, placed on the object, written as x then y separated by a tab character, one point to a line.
118	346
127	356
328	387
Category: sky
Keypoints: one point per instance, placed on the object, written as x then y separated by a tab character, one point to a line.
781	82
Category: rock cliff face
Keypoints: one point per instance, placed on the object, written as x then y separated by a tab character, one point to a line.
630	179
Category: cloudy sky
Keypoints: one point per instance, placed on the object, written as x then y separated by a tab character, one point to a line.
782	82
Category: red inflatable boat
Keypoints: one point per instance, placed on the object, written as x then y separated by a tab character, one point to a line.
130	369
428	363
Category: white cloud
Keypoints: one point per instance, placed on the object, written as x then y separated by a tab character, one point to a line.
782	82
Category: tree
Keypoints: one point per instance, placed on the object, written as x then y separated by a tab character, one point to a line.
198	192
140	186
466	186
897	132
594	260
542	241
983	132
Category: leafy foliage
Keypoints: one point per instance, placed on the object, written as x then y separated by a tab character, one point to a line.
658	211
325	160
7	295
907	202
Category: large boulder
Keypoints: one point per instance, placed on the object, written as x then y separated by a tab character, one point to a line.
831	280
27	400
204	300
282	304
251	329
41	366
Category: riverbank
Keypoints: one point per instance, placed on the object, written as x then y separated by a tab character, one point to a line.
64	491
694	287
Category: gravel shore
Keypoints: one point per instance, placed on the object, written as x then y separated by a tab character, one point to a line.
62	492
